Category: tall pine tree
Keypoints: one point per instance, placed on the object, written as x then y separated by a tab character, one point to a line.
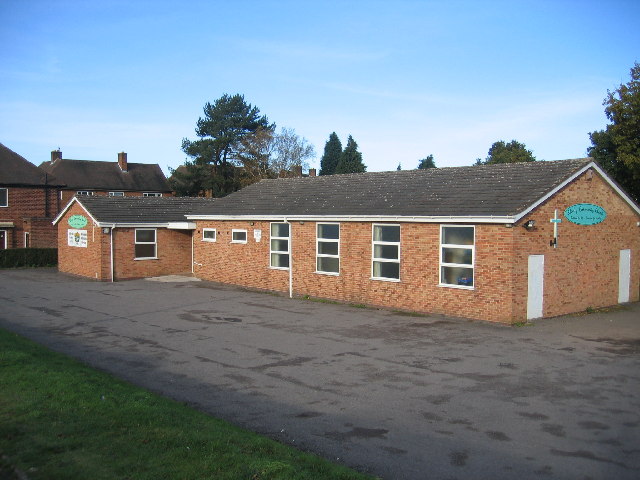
351	159
331	156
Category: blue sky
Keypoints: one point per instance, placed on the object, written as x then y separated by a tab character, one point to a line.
405	78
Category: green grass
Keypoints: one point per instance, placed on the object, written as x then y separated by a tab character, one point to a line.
62	419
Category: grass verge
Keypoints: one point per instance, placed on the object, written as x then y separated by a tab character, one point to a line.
62	419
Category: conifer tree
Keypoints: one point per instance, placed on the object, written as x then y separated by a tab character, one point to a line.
351	159
331	156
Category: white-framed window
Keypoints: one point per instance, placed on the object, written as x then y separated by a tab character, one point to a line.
116	194
385	264
27	239
457	254
146	243
4	197
208	234
84	193
328	248
151	194
3	239
279	245
238	236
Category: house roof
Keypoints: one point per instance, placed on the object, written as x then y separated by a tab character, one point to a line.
94	175
500	192
121	211
17	170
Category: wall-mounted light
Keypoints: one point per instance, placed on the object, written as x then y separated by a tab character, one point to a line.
105	230
301	222
251	223
529	224
508	225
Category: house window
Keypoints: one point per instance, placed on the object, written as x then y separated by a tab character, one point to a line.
116	194
151	194
4	197
146	246
386	252
328	248
27	239
457	251
84	193
208	234
279	245
238	236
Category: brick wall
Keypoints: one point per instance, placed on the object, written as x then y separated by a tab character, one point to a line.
31	209
582	272
173	251
91	261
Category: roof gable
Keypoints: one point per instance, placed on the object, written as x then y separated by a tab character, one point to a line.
489	192
94	175
17	170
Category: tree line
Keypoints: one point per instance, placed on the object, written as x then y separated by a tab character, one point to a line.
238	146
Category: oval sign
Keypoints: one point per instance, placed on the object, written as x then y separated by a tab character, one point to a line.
585	214
77	221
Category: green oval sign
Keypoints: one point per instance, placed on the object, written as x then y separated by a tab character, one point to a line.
77	221
585	214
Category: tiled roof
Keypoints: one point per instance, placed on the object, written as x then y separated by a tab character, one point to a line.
17	170
150	210
93	175
475	191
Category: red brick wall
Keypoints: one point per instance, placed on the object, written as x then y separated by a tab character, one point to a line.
582	272
29	212
173	251
92	261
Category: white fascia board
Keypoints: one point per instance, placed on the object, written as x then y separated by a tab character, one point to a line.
597	168
133	225
68	206
181	225
360	218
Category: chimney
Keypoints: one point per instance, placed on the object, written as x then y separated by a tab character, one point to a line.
122	161
56	155
297	170
312	172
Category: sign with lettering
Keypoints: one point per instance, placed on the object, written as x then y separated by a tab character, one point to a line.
585	214
77	221
77	238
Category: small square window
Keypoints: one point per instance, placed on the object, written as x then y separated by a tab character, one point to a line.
145	243
208	234
238	236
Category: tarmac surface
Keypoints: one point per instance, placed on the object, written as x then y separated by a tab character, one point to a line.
395	395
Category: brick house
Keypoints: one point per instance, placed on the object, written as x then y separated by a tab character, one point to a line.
496	242
29	201
117	238
116	179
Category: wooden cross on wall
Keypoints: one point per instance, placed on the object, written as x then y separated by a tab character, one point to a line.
556	221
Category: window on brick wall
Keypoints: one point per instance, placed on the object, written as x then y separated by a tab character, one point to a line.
328	248
279	245
145	243
4	197
238	236
83	193
151	194
386	252
116	194
208	234
457	252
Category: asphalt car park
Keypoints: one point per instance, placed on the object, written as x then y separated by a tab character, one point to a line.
396	395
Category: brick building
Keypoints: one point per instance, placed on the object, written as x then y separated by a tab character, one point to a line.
118	238
29	201
116	179
495	242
